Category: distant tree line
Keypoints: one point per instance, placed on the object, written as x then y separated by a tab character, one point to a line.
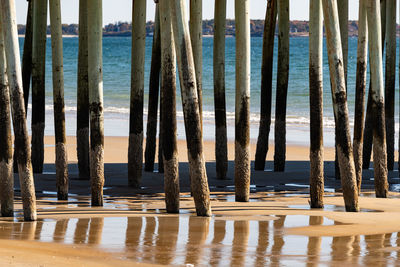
297	28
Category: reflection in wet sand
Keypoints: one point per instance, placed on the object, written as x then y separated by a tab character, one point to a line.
314	243
263	242
240	243
81	231
186	239
276	250
197	235
167	236
60	230
219	236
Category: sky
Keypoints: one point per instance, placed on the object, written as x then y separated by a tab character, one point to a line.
120	10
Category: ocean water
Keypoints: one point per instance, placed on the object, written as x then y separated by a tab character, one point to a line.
116	64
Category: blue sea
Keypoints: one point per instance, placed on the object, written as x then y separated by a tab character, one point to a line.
116	64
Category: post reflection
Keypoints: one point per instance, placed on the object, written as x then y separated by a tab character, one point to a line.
219	236
279	242
240	242
132	238
167	237
95	231
60	230
149	238
263	242
197	234
81	230
314	243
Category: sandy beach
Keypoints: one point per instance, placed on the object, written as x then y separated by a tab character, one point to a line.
132	228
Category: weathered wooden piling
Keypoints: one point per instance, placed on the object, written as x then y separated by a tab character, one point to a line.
151	129
6	162
135	150
339	100
221	141
282	86
266	85
196	37
368	131
361	80
58	99
242	105
390	79
82	113
168	92
27	53
22	143
160	134
377	96
95	77
38	83
316	106
343	9
187	77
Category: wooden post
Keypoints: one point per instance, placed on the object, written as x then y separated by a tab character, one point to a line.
339	100
27	54
282	86
187	77
95	75
135	150
316	106
22	144
390	79
378	101
160	134
82	113
168	91
6	162
221	141
368	135
151	130
38	83
196	37
58	98
361	80
343	9
242	105
266	85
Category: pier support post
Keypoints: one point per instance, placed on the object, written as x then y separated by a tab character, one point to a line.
316	106
361	80
22	143
368	132
151	129
135	150
27	54
378	101
390	79
95	76
191	110
38	83
82	113
168	92
242	105
58	98
282	86
266	85
6	162
196	37
339	100
221	140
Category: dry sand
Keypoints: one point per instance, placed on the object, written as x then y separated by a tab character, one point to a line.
383	215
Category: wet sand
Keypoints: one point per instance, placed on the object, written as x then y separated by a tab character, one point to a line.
275	227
